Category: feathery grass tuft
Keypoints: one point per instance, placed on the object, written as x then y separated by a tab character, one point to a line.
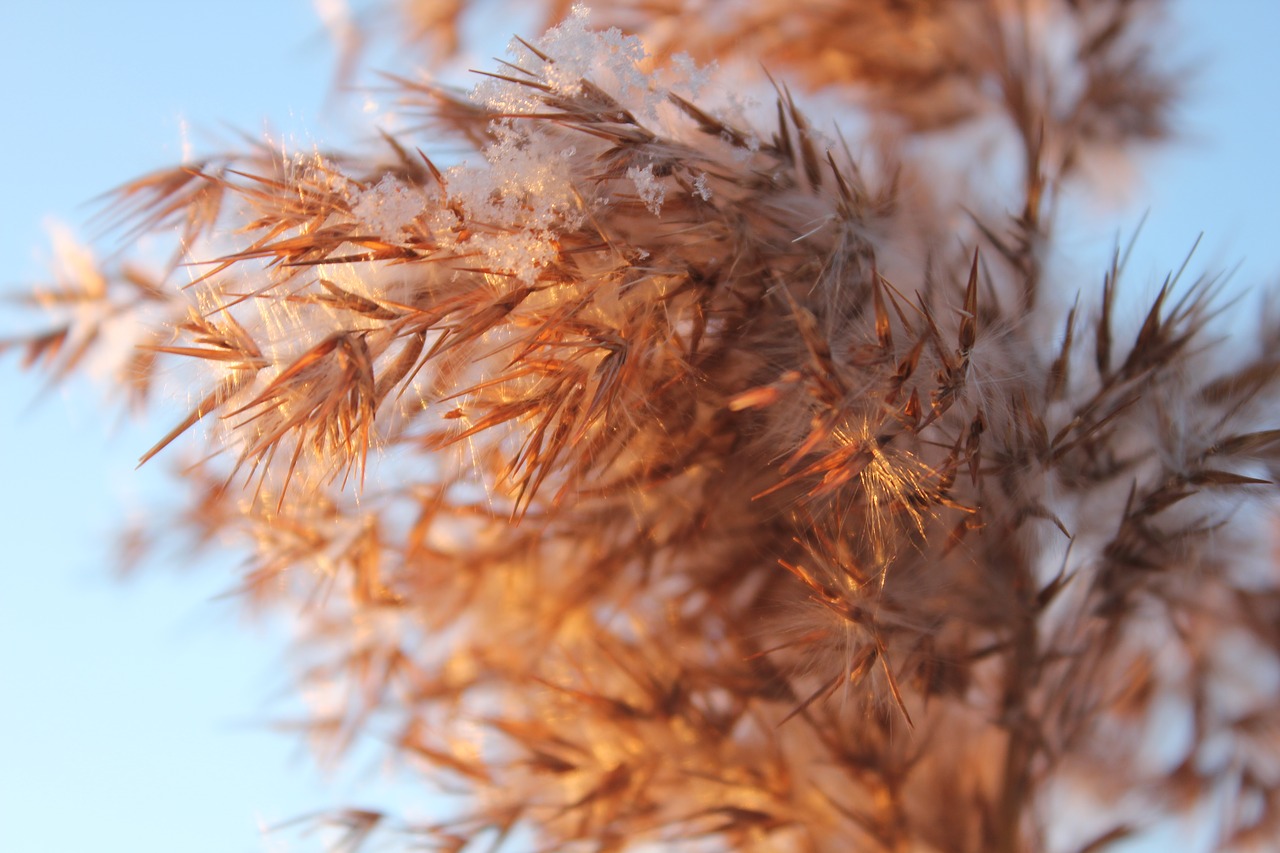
700	479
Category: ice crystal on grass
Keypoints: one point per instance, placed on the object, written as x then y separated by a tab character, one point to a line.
579	52
650	188
388	207
733	494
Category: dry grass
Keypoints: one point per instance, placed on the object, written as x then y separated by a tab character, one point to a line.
732	493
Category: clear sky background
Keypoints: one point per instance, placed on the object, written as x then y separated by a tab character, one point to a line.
132	715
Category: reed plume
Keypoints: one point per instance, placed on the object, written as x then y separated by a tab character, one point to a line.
682	472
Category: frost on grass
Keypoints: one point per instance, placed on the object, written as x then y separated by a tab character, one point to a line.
575	53
389	207
649	187
528	185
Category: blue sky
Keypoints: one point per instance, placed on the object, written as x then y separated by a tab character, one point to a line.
131	715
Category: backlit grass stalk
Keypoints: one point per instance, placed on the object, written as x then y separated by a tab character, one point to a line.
697	478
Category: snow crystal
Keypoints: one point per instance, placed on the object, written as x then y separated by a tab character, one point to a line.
526	192
388	207
691	78
700	187
650	189
608	58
